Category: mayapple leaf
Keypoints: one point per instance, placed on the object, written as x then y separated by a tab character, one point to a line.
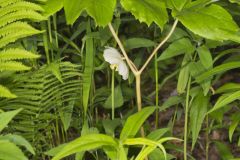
52	6
147	11
212	22
100	10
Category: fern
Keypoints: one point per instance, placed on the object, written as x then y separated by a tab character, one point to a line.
16	54
40	93
11	30
18	6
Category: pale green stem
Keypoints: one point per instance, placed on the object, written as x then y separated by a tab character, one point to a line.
156	88
113	96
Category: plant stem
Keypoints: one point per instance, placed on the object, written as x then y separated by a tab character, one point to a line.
159	46
139	99
113	96
186	118
207	137
156	89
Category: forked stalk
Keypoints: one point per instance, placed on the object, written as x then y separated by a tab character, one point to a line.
137	72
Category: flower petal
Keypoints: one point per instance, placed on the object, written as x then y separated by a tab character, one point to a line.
123	70
112	55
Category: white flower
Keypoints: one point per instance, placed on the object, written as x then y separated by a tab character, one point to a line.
112	56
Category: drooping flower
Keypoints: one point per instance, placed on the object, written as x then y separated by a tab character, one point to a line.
112	56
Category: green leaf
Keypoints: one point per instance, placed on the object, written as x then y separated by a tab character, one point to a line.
118	99
52	6
235	122
86	143
134	122
9	151
179	4
205	57
224	151
133	43
66	114
101	10
88	70
18	140
198	111
110	125
228	87
197	68
157	154
147	11
183	76
157	134
4	92
55	69
176	48
212	22
6	117
216	70
225	100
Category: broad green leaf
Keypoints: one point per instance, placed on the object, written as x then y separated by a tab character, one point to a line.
216	70
4	92
224	151
147	11
183	76
228	87
9	151
86	143
18	140
205	57
52	6
101	10
176	48
225	100
197	114
212	22
88	70
133	43
235	122
6	117
118	99
134	122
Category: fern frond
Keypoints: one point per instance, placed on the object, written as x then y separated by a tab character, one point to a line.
16	54
17	35
19	15
13	66
22	5
5	93
14	27
4	3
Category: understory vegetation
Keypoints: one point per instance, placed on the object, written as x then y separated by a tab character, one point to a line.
119	79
